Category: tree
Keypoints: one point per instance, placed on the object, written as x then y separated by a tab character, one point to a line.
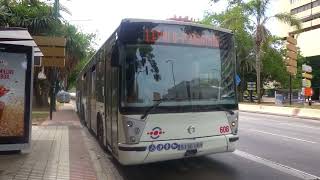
34	15
4	15
79	50
273	54
256	11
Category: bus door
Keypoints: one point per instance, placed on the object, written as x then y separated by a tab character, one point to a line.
114	108
93	119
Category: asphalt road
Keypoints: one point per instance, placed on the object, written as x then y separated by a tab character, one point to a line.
270	147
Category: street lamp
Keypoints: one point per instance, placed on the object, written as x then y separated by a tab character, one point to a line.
219	87
41	74
174	80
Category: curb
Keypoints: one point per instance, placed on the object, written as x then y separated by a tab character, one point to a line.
300	117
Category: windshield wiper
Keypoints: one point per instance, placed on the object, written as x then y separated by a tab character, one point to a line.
147	112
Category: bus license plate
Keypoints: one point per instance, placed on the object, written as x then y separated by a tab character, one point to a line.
189	146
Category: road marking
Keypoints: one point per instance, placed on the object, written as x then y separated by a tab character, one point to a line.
288	137
288	123
277	166
298	125
250	115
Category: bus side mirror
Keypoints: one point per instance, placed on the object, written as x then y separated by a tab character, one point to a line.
115	60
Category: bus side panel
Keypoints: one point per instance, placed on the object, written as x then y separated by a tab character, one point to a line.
81	98
108	99
114	109
100	96
93	113
87	100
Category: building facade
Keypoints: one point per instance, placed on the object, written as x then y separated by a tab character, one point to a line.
308	11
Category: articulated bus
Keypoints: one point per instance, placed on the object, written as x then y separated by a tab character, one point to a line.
160	90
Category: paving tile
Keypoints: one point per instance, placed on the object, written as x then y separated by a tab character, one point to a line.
6	177
20	177
58	152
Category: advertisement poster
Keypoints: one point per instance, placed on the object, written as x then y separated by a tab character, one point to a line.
12	91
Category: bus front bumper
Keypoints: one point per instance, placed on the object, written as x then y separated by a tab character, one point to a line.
147	152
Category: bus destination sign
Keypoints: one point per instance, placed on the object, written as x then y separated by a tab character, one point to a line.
180	37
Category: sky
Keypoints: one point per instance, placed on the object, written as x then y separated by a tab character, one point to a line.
104	16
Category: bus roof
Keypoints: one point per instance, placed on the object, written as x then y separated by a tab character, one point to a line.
173	22
177	23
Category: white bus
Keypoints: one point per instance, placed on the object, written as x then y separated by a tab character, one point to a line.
161	90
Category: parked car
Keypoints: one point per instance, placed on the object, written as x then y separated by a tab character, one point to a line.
63	97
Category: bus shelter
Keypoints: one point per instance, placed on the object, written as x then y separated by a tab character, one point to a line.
17	52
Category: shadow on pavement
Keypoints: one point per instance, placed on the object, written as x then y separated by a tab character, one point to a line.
192	168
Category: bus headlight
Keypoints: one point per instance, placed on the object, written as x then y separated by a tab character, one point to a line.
133	129
233	121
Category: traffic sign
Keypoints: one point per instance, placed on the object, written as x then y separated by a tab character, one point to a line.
251	86
306	75
53	49
306	83
291	55
306	68
308	91
291	62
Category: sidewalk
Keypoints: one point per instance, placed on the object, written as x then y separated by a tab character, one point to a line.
59	151
282	111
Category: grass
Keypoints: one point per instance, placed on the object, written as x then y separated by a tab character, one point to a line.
39	116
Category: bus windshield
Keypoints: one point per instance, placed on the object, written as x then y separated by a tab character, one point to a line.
178	74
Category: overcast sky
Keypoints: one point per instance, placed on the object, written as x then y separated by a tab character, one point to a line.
103	16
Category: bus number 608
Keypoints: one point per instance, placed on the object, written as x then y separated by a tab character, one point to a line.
224	129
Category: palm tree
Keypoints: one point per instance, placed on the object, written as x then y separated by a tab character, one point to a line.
4	12
258	9
257	15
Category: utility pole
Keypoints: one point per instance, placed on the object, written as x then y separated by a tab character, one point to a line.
53	72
